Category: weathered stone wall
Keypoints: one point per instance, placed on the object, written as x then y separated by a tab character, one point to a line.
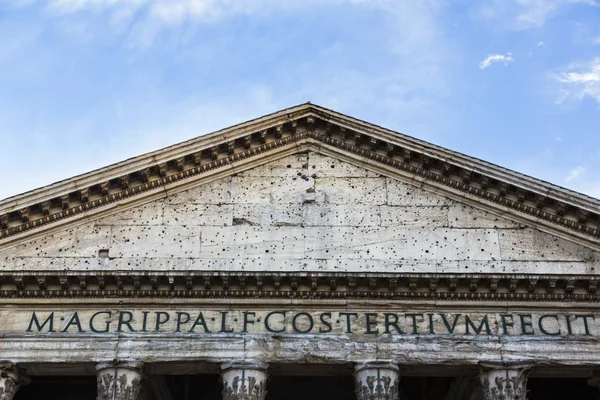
306	212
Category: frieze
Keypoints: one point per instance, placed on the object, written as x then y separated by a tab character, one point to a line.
283	133
370	323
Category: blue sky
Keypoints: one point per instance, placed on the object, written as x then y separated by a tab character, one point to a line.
86	83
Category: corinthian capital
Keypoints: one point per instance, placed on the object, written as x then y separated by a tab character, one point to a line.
119	380
244	380
11	377
504	381
376	380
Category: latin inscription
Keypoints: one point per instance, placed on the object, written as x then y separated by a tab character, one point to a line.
308	323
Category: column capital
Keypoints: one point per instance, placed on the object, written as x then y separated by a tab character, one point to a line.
504	380
11	378
244	380
244	364
376	380
120	364
119	380
594	380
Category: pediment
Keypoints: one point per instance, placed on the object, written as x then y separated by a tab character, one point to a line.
303	212
301	129
306	218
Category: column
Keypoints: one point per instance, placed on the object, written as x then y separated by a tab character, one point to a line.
11	378
244	380
504	381
119	380
376	380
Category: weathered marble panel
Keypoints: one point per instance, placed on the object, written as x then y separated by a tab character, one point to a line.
265	214
242	241
147	214
290	167
198	214
465	216
324	214
327	167
426	216
271	190
402	243
351	190
215	192
155	241
531	244
405	194
81	241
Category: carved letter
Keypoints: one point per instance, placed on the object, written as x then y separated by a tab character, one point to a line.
93	329
268	327
450	328
49	321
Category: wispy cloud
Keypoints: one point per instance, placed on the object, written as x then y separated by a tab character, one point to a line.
576	173
580	81
496	58
525	14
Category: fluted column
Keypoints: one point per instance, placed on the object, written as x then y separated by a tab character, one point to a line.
119	380
244	380
376	380
504	381
11	377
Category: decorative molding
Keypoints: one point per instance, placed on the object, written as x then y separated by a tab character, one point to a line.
316	125
376	380
118	380
504	381
244	380
448	287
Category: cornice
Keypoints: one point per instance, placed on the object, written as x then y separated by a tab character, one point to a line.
266	285
532	201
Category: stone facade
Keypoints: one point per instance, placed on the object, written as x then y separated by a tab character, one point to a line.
310	248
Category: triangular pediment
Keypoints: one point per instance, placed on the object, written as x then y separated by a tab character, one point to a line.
299	130
304	212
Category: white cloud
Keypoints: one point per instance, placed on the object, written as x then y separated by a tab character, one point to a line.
524	14
496	58
144	20
580	81
576	173
540	43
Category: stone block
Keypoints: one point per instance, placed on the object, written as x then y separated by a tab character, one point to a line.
350	190
465	216
215	192
427	216
271	189
329	167
389	243
325	214
147	214
267	214
243	241
198	214
287	167
155	241
82	241
531	244
404	194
